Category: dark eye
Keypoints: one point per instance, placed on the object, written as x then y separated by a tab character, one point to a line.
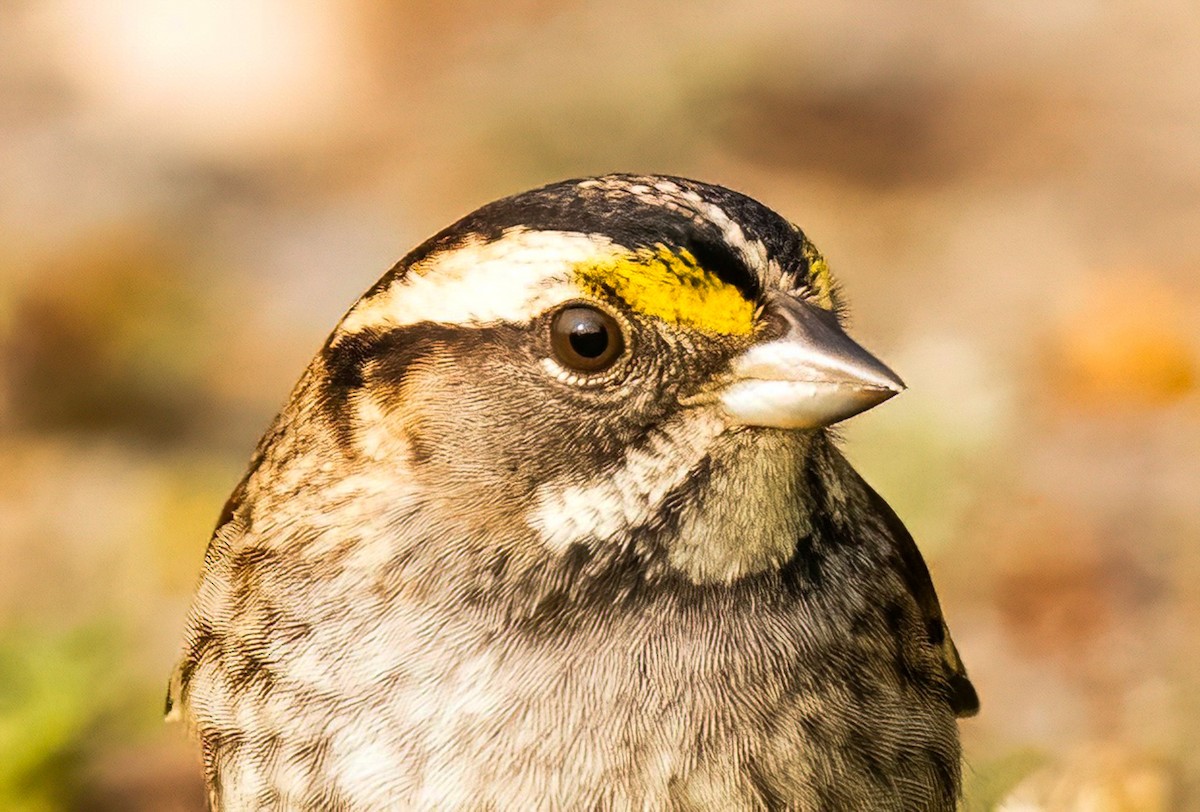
585	338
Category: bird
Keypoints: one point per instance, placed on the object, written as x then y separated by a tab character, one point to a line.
556	519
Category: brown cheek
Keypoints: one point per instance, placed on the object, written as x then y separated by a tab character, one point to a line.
460	445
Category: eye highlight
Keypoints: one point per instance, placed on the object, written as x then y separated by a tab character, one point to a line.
585	338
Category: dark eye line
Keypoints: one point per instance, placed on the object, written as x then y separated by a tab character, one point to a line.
719	259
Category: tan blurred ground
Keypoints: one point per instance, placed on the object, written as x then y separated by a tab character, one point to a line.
191	192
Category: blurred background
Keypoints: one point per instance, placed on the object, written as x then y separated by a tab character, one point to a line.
192	192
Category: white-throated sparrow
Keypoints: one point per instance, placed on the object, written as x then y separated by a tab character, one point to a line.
552	521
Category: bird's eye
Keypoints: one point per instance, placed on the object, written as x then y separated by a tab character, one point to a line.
585	339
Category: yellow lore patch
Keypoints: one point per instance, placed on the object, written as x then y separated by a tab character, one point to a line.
819	278
671	286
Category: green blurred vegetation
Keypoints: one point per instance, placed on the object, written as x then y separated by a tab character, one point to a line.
53	692
191	193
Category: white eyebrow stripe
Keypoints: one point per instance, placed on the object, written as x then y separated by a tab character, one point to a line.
511	279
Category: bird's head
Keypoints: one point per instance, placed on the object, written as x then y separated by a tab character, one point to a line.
600	363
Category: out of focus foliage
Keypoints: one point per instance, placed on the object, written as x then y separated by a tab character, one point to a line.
49	706
192	192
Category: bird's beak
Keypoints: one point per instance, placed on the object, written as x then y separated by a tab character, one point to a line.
812	375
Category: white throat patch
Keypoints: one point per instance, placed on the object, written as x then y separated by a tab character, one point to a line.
747	520
630	495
